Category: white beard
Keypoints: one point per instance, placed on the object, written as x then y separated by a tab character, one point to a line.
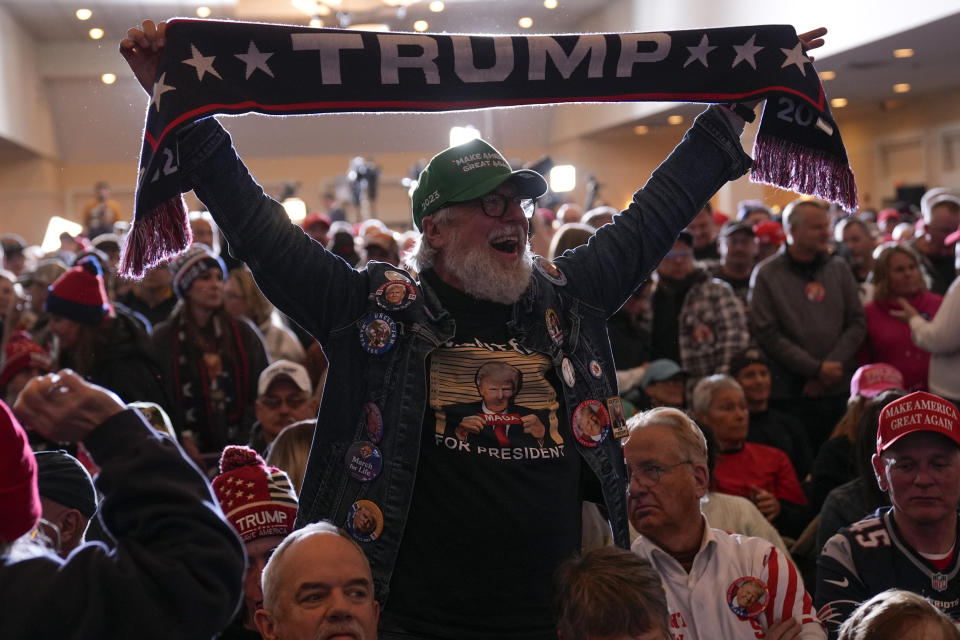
482	275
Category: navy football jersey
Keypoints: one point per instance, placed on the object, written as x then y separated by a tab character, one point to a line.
869	557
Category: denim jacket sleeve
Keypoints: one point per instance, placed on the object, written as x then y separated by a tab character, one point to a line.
326	294
620	256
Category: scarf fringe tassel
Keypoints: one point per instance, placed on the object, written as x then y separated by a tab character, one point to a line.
156	237
791	166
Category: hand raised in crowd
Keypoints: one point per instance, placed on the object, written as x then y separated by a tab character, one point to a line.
766	502
63	407
812	39
787	629
906	312
142	49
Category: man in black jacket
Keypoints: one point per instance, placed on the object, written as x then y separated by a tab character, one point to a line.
178	566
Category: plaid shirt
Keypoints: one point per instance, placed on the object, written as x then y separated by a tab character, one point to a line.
712	328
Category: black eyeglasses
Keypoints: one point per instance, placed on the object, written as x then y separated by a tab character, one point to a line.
494	205
653	473
274	402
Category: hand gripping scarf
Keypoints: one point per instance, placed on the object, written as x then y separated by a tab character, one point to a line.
213	67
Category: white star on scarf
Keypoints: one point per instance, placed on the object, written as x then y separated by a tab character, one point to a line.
795	56
746	52
255	59
203	64
159	89
699	52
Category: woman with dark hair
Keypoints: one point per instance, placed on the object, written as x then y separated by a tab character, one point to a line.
861	496
896	274
103	344
210	361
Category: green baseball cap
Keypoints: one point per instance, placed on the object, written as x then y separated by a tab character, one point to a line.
465	172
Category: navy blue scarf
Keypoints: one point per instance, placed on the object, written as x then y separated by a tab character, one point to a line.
234	67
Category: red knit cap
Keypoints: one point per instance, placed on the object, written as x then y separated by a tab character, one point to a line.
22	353
80	294
19	498
258	500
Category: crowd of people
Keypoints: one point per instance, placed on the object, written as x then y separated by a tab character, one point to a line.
664	422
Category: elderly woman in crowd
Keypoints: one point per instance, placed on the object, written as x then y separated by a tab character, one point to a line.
210	361
755	471
896	274
243	298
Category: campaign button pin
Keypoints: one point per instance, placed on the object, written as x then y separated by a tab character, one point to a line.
364	461
549	271
814	292
595	369
618	420
566	368
373	420
378	333
396	276
553	327
364	521
590	423
747	597
396	295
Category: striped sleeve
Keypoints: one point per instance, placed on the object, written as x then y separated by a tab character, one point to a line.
788	596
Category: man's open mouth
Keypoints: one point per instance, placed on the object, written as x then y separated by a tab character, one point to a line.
506	245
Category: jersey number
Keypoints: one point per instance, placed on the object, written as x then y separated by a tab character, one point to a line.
873	539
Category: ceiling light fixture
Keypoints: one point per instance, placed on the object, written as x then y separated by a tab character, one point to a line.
675	119
421	25
838	103
108	78
436	6
316	22
96	33
550	4
903	53
901	87
641	129
84	14
827	75
203	12
525	22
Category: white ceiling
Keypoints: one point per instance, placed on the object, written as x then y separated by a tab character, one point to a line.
96	123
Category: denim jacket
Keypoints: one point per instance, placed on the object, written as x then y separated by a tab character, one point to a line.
328	298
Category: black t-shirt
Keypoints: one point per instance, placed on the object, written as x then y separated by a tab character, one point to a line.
492	513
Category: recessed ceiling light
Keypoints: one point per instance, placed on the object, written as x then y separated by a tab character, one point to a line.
675	119
903	53
838	103
84	14
550	4
828	75
96	33
436	6
525	22
108	78
421	25
901	87
203	12
641	129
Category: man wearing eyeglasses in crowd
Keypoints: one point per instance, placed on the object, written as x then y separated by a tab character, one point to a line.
284	396
466	542
704	570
